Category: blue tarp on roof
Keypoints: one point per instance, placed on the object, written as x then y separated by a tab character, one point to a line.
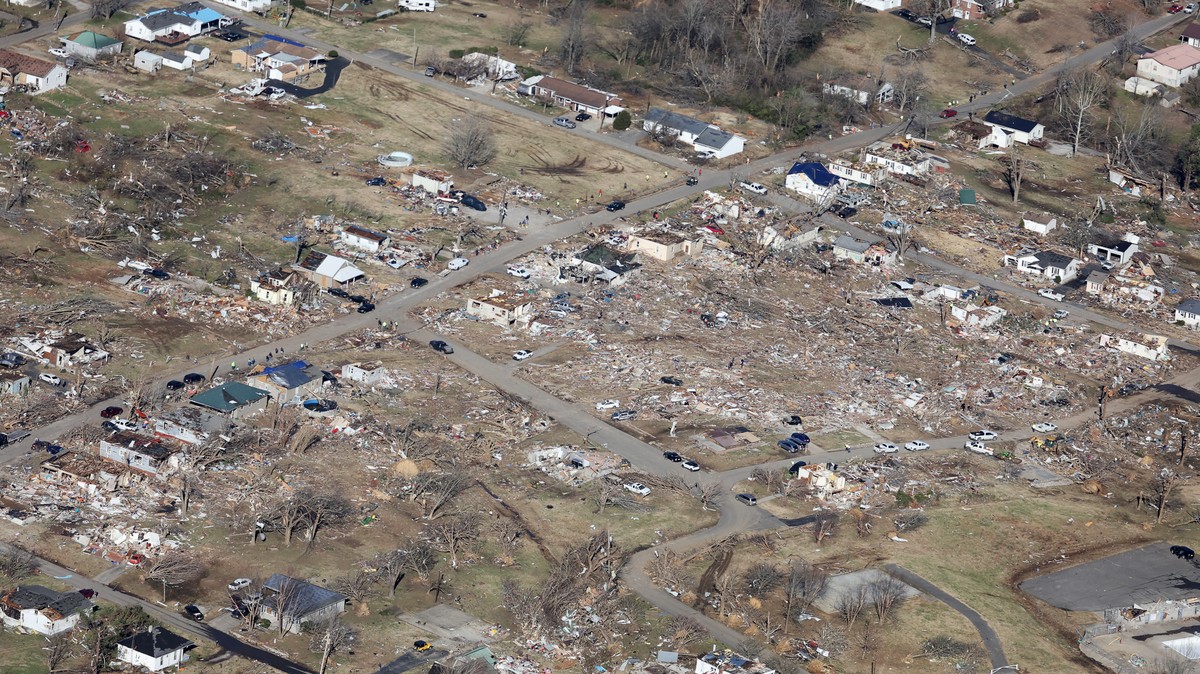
816	172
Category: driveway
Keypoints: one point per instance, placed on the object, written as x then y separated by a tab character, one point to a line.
333	72
1142	576
991	641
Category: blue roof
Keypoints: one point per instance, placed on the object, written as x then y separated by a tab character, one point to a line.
816	172
205	15
283	40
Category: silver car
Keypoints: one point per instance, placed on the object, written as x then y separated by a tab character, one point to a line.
564	123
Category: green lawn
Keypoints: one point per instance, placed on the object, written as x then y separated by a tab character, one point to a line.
21	653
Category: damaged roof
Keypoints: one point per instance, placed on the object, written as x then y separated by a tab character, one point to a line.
38	597
291	375
229	396
303	598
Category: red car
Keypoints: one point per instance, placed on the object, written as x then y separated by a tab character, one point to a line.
110	412
1174	9
714	229
948	113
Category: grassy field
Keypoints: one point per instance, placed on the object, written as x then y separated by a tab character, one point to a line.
22	653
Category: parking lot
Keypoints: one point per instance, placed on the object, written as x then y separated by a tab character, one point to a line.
1147	574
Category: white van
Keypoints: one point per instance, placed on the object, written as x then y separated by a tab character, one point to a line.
966	39
458	263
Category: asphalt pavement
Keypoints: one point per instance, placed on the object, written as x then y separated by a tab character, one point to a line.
1143	576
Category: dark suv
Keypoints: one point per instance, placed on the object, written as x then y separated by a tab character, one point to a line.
441	347
673	457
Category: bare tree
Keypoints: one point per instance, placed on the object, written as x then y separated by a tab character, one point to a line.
1136	140
328	637
824	525
193	462
574	39
325	509
852	603
1164	484
910	520
470	144
16	564
685	631
607	493
1013	171
909	85
887	594
1173	666
761	578
440	491
899	233
710	495
805	583
358	584
944	647
285	597
174	567
516	32
1082	92
58	651
833	638
450	533
105	9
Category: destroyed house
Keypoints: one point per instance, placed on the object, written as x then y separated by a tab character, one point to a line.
191	425
365	239
433	181
605	264
328	271
276	287
290	383
14	382
368	374
66	352
500	307
139	452
662	245
34	73
728	662
855	250
86	471
233	399
295	602
154	648
41	609
862	89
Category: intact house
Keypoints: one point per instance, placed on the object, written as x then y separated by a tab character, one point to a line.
1039	227
572	96
663	246
433	181
1008	129
1140	86
601	263
857	173
1094	284
295	602
254	6
367	374
176	60
813	180
974	10
177	25
65	352
232	399
856	250
705	138
365	239
33	73
862	89
277	287
1053	266
154	648
328	271
1191	35
42	610
1118	252
1172	66
290	383
90	46
190	425
417	5
1188	312
14	382
500	307
139	452
280	59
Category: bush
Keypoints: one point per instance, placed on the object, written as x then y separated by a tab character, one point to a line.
457	53
1029	16
526	72
623	120
299	4
333	53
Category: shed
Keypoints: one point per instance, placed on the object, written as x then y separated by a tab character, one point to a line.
197	52
147	61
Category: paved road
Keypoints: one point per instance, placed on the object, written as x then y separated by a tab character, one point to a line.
174	621
990	641
1143	576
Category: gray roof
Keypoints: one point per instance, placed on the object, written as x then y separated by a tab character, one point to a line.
176	56
194	49
850	243
38	597
305	598
714	138
155	642
1190	306
1050	259
292	375
671	120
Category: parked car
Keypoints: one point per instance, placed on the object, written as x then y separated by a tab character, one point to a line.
441	347
582	117
800	438
673	457
673	381
1061	314
121	424
925	21
615	206
1051	295
357	299
231	36
714	229
977	447
365	308
637	488
916	446
239	584
1174	9
1044	428
110	412
748	499
51	379
845	212
1183	552
430	71
886	448
794	420
418	282
795	468
12	359
564	123
519	272
609	404
59	52
473	203
983	435
790	446
624	415
338	292
457	263
174	385
378	181
948	113
1189	8
193	378
87	592
691	465
966	39
157	273
420	645
756	188
522	354
193	612
691	180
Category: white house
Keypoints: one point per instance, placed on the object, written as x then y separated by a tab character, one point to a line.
417	5
328	271
704	137
862	89
813	180
189	424
1017	129
172	26
277	288
863	252
154	649
254	6
857	173
367	374
1054	266
1191	34
880	5
34	73
1188	312
432	181
1172	66
1037	227
972	314
176	59
295	602
1118	252
905	163
14	382
41	609
138	452
197	52
365	239
663	245
500	307
1150	347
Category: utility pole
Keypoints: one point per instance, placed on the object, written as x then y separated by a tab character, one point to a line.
415	50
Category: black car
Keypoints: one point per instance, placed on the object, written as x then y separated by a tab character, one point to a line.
365	307
1182	552
231	36
673	381
582	117
846	212
441	347
691	180
174	385
110	412
194	613
479	15
376	181
615	206
157	273
419	282
12	359
794	420
338	292
473	202
193	378
673	457
357	299
797	466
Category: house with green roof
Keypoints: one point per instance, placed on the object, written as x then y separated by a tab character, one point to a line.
91	46
233	399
